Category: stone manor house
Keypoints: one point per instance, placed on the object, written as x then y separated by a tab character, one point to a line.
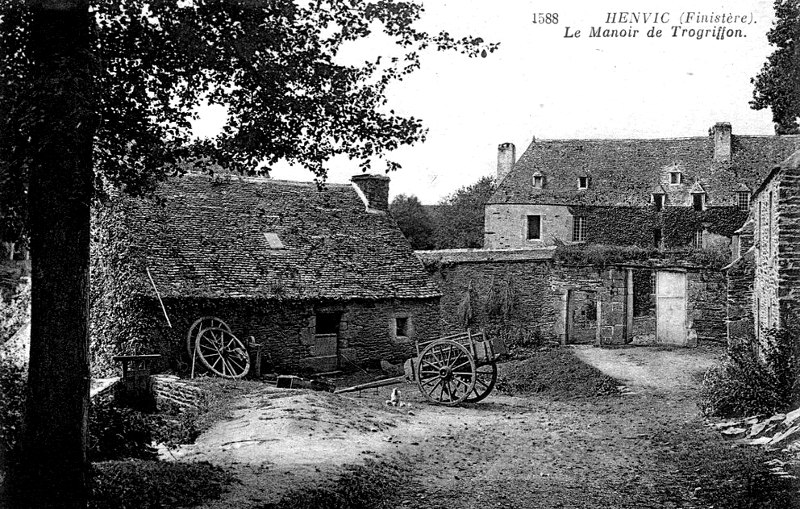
678	195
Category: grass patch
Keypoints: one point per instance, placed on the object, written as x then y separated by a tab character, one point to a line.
137	483
556	372
372	486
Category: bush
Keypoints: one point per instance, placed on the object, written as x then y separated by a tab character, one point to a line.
15	312
746	385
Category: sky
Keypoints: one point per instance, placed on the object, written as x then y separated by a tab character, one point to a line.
541	84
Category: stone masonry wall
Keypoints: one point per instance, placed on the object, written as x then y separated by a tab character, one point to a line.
540	290
506	226
286	329
533	304
765	238
706	306
739	318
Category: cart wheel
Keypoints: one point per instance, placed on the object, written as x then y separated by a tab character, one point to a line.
200	324
485	378
222	352
446	373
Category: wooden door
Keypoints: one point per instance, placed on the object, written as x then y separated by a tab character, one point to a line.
581	323
671	308
326	355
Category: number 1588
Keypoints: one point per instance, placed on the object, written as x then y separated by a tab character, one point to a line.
548	18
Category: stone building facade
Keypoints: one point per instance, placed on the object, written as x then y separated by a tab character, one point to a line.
764	281
671	193
322	279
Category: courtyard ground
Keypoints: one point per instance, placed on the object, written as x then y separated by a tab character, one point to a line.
564	437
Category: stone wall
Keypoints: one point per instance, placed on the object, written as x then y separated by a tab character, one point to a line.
506	226
765	240
739	319
169	390
706	306
539	291
524	285
286	330
11	274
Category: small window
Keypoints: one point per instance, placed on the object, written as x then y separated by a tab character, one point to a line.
657	237
658	201
743	200
534	227
583	182
327	323
578	229
698	201
401	326
675	177
698	239
538	181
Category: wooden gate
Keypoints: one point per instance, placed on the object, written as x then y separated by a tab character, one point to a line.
581	317
326	354
671	308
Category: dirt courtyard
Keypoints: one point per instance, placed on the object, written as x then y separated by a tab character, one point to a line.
646	447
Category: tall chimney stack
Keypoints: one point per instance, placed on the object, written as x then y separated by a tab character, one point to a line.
506	153
722	142
373	189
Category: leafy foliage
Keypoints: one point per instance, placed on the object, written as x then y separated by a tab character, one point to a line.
459	217
12	404
744	384
602	255
777	86
274	66
413	220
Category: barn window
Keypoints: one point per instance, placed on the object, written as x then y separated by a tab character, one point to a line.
675	177
698	239
699	201
534	227
578	229
658	201
743	200
583	182
401	326
657	237
538	180
327	323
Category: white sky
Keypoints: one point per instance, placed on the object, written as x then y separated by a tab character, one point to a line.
544	85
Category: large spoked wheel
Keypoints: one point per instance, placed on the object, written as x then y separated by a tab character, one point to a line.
485	379
446	374
200	324
222	352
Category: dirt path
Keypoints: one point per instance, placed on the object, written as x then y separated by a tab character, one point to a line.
631	451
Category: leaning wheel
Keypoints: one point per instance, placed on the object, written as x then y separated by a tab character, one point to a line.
485	378
200	324
222	352
446	373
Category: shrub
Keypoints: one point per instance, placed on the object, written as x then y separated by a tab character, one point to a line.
15	312
745	385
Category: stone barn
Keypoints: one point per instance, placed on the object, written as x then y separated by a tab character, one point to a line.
323	279
764	281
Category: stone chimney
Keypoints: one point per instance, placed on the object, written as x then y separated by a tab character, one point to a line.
506	153
722	142
373	190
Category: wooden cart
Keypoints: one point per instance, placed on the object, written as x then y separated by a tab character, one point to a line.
449	370
456	368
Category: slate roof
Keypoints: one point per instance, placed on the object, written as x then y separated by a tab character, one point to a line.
624	172
219	241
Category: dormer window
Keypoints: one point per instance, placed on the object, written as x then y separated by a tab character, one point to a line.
583	182
743	200
675	177
538	180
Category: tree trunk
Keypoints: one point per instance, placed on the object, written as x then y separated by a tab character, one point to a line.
54	468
